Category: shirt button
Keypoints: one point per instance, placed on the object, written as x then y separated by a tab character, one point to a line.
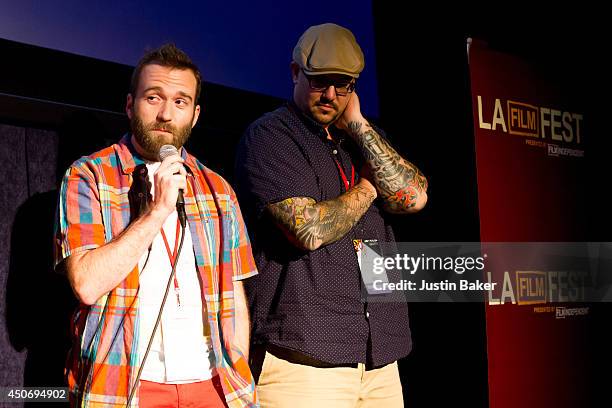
334	151
367	314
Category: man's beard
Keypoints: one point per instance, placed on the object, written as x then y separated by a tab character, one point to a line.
323	119
151	143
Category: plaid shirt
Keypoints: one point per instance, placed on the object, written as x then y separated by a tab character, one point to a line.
94	208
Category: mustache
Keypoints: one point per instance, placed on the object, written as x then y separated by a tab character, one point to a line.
328	103
325	101
160	126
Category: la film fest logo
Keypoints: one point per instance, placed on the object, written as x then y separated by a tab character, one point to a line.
554	129
539	287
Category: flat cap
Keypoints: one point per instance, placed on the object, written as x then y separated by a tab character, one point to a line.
329	49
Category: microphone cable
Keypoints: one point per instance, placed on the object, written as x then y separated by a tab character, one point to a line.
159	315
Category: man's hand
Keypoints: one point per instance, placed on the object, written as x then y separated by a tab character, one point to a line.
352	114
243	324
168	179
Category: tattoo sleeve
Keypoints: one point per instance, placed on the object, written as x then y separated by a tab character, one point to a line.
309	224
400	184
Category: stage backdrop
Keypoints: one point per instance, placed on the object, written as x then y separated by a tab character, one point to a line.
241	44
530	137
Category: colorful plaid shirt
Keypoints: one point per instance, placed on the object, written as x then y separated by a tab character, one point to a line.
93	208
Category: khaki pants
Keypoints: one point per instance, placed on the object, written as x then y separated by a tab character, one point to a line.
287	385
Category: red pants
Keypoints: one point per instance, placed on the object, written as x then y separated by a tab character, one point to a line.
203	394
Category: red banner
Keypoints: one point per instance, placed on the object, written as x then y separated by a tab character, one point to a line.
530	166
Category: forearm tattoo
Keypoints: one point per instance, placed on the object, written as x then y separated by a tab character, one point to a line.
310	224
398	181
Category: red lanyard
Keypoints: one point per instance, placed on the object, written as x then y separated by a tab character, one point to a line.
347	185
172	257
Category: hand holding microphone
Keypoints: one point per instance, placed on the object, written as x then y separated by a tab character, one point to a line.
170	181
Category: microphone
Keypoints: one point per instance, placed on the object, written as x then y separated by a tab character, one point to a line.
164	152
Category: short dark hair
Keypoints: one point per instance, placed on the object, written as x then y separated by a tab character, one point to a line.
168	55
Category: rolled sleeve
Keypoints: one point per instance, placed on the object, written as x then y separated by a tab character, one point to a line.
79	223
243	264
271	167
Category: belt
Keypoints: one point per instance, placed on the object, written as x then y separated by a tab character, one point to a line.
297	357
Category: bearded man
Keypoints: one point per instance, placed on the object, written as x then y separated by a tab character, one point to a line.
162	320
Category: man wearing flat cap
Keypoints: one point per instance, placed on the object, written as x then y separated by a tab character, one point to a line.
313	176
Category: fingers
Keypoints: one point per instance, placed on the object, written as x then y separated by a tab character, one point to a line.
172	165
174	168
171	161
179	181
169	178
368	185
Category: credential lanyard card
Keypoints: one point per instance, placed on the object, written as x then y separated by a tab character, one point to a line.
374	279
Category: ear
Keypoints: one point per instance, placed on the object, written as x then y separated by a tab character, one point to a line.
196	115
129	106
295	72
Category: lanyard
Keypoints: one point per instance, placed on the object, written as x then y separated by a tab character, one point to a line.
347	185
172	257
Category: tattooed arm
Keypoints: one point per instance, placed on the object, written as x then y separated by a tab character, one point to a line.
400	184
309	224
